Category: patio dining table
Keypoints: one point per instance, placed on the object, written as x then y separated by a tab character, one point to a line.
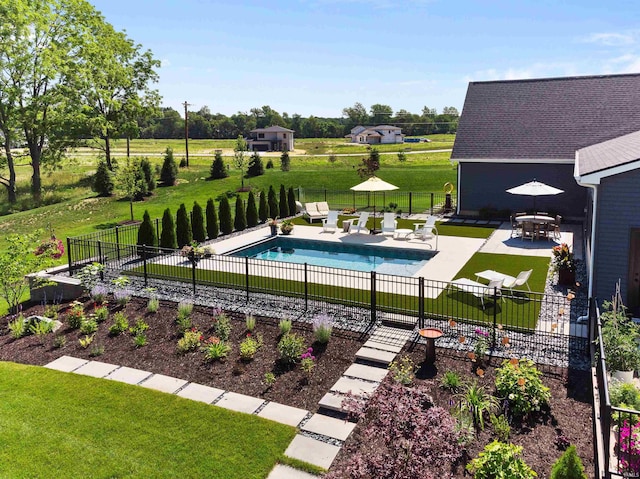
535	222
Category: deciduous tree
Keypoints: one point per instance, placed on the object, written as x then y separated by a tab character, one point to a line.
239	159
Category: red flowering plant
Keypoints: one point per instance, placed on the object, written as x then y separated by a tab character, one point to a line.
563	258
52	247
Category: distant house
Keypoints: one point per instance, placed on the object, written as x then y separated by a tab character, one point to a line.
273	138
579	134
374	135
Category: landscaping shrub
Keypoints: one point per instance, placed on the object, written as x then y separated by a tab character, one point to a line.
41	328
122	296
322	328
250	322
169	172
285	326
222	325
212	220
501	427
263	209
285	161
249	347
568	466
308	362
520	383
252	211
255	167
218	169
500	461
185	308
197	223
120	324
153	305
183	162
168	235
240	220
451	380
98	295
625	396
183	227
139	328
290	348
291	199
88	326
18	327
403	370
274	211
101	314
76	316
147	173
225	216
189	342
406	436
146	233
215	349
86	341
402	156
103	182
269	164
476	401
283	204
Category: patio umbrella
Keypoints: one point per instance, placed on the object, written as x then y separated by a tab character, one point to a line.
374	184
534	188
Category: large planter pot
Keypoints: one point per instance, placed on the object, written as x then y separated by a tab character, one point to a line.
623	376
566	276
274	230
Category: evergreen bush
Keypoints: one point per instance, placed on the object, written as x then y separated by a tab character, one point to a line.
183	227
291	199
147	172
568	466
255	167
284	205
285	161
252	211
103	183
146	232
225	216
168	235
240	220
269	164
212	220
263	209
273	203
169	172
218	169
197	223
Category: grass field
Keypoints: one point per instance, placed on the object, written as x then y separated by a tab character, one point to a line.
64	425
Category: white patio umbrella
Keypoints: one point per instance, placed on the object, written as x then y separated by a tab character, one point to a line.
534	188
374	184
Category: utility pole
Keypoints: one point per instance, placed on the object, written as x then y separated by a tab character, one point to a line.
186	130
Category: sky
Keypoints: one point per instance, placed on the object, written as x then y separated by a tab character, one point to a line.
316	57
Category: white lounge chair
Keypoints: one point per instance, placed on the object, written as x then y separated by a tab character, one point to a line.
509	282
312	213
389	223
361	225
478	290
330	222
323	207
427	230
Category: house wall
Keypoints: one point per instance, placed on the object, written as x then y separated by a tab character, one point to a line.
618	212
484	185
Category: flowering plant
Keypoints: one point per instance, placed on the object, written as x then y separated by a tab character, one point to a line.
273	221
563	258
52	247
629	440
308	361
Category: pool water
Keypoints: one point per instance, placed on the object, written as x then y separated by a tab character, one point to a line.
402	262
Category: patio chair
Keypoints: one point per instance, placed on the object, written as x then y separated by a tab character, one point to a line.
522	214
478	290
516	228
312	213
361	225
542	213
427	230
389	223
323	207
330	222
556	227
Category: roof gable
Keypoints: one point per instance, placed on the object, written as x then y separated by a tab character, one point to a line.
271	129
608	154
545	118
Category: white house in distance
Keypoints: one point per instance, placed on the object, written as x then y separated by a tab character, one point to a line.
273	138
374	135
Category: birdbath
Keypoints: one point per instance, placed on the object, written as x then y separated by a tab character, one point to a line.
430	334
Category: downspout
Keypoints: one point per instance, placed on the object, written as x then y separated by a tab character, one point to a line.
458	191
594	217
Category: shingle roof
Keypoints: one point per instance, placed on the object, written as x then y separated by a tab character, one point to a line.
545	118
608	154
271	129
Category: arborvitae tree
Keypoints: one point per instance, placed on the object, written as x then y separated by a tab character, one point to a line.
269	164
568	466
218	168
168	235
284	205
169	172
255	167
103	183
147	171
263	210
273	203
252	211
285	161
225	216
183	227
212	220
146	231
197	223
291	199
240	220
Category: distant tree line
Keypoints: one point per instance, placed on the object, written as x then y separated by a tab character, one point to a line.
204	124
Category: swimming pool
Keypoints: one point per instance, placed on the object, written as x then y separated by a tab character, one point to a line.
402	262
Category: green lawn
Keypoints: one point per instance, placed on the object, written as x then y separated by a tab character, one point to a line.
63	425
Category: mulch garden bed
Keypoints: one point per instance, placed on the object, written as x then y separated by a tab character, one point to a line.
292	386
569	415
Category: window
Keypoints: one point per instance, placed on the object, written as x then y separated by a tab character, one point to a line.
284	135
260	135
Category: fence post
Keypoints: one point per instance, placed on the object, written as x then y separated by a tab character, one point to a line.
495	317
353	193
144	264
158	229
246	275
69	260
118	241
194	265
410	202
431	203
325	194
373	298
100	260
421	300
306	289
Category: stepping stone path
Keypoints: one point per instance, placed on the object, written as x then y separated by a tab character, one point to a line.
320	436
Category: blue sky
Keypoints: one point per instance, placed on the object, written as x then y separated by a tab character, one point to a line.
319	56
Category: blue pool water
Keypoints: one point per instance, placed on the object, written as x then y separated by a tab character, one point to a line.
402	262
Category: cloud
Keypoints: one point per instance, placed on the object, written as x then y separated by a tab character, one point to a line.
165	63
627	63
614	39
535	70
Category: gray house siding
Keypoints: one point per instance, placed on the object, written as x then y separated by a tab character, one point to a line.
485	184
618	212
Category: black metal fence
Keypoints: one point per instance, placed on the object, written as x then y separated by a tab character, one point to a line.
528	324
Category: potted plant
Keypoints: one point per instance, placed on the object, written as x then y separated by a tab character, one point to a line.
286	227
273	224
564	264
620	337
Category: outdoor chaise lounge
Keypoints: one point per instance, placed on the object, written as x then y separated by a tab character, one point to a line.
330	222
323	207
389	223
427	230
361	225
508	282
478	290
312	213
